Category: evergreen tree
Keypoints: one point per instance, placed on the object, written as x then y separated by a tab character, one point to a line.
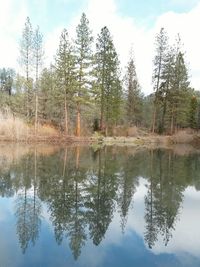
65	69
179	91
165	87
161	49
83	66
38	54
193	112
26	60
6	80
109	89
133	94
49	109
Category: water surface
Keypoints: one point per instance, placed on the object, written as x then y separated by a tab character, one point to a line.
91	207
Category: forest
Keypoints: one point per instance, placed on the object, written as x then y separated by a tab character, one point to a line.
85	89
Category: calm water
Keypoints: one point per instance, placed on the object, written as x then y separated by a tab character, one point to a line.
81	206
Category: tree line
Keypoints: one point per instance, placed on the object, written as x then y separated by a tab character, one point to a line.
84	90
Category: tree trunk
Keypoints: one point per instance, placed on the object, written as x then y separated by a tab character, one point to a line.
36	113
64	162
101	119
106	130
172	123
78	121
77	157
163	117
66	117
154	119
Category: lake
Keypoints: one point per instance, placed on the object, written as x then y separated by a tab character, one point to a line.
99	207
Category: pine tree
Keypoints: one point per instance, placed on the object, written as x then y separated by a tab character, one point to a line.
165	88
179	91
6	80
193	112
26	60
38	54
65	69
83	66
161	49
133	94
50	109
109	89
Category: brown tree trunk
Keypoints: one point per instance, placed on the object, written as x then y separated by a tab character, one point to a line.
101	120
106	130
78	121
36	113
154	119
172	123
66	117
64	162
77	157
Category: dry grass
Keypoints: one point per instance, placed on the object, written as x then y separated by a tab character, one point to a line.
12	128
126	131
47	130
183	137
15	129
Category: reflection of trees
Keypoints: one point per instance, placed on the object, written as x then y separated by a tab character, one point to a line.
28	219
77	222
128	181
164	196
83	189
28	209
101	196
66	204
6	188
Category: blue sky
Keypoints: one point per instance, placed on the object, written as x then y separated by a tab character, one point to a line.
51	14
131	22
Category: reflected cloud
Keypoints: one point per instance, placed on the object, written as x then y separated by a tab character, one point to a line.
105	201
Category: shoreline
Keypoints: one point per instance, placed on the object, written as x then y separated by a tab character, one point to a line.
148	140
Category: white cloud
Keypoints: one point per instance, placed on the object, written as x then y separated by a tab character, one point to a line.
125	30
185	237
185	24
10	26
51	44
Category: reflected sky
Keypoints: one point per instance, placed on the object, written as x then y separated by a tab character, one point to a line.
117	201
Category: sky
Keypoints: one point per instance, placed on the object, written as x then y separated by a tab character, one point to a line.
132	23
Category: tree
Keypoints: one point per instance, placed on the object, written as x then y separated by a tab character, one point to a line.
83	65
26	60
108	84
165	87
133	94
180	91
65	69
6	80
100	203
161	49
193	112
38	54
48	109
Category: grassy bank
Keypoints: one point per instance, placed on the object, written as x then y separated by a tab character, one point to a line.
15	130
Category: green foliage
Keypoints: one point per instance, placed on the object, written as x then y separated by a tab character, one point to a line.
107	85
171	103
82	87
193	112
83	59
133	94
